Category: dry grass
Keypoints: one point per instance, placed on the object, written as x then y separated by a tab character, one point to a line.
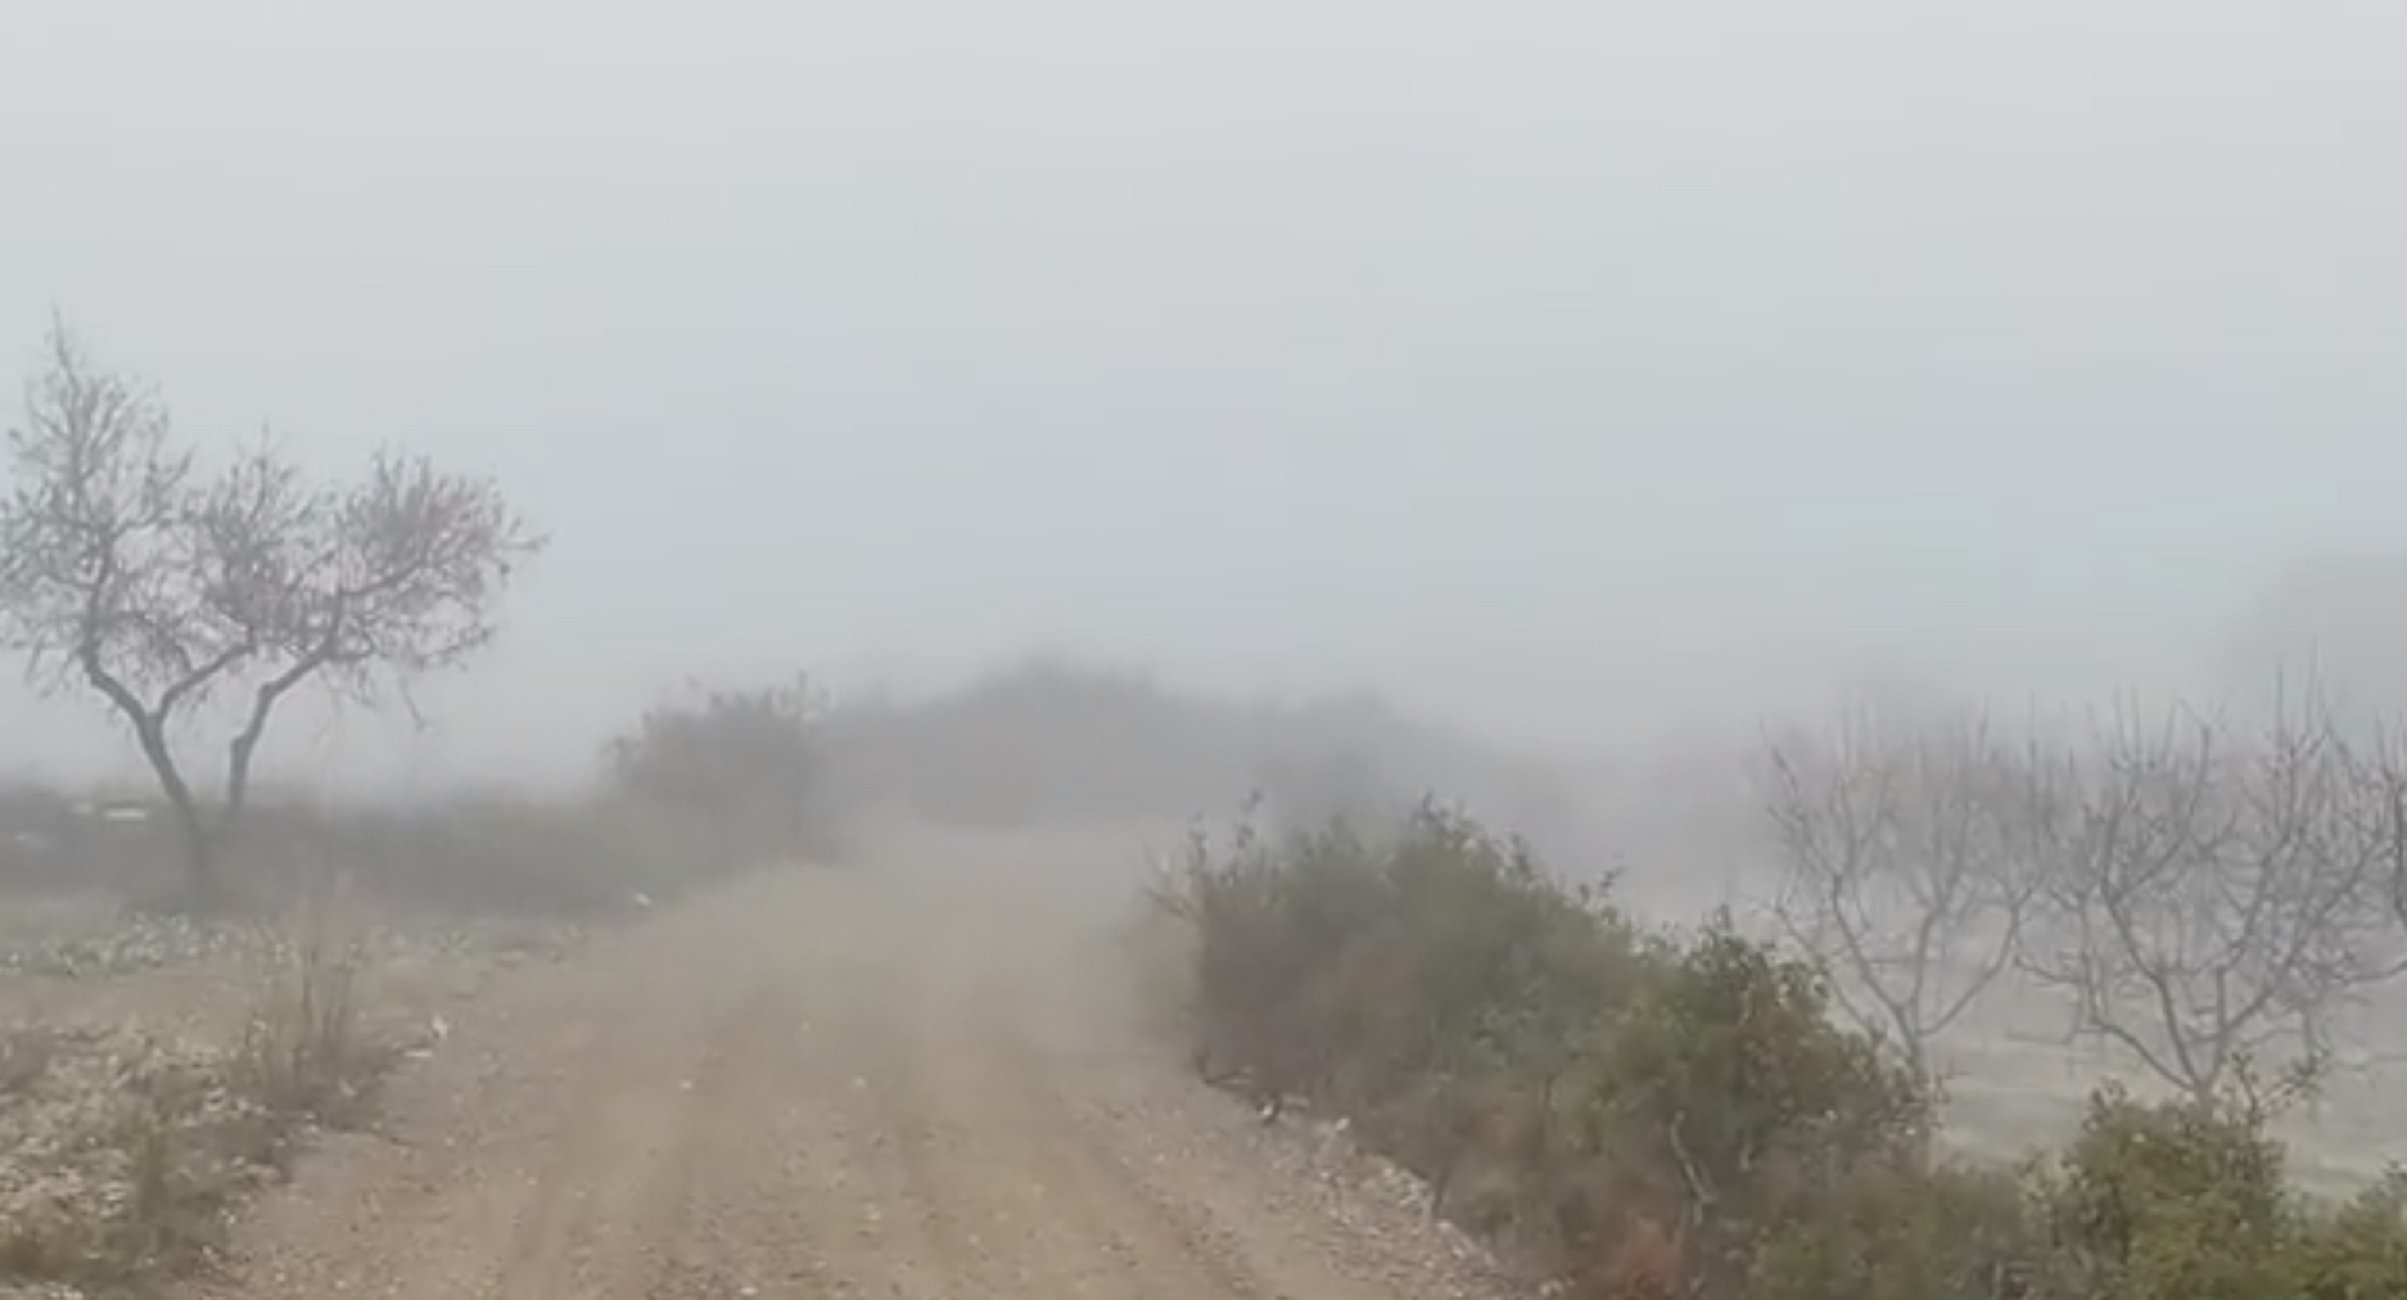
123	1151
304	1056
153	1073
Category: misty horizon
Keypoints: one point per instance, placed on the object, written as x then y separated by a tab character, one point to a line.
1585	381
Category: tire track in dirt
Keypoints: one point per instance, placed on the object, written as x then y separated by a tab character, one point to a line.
727	1219
903	1083
1141	1246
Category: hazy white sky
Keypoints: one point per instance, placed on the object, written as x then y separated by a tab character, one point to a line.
1567	367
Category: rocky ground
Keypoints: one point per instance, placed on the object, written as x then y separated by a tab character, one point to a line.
147	1088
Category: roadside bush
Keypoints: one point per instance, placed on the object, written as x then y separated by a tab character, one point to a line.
2357	1251
734	770
2150	1201
2189	1199
1728	1093
1890	1230
1656	1115
2172	1200
1559	1077
1346	971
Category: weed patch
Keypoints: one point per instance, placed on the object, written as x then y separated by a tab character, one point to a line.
122	1152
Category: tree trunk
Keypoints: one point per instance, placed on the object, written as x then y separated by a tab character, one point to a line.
238	766
200	860
263	702
150	731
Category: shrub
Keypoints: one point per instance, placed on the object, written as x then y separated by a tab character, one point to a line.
2188	1198
2357	1251
1272	926
1649	1116
1727	1092
734	769
2154	1202
1900	1231
1596	1095
1352	971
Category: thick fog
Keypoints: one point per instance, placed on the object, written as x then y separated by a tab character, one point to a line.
1588	376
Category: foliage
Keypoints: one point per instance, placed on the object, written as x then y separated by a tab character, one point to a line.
1728	1093
1895	1231
2187	1199
737	767
2183	1199
1659	1115
1586	1085
2359	1250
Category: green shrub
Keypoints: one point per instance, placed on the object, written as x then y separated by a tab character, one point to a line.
2172	1201
2357	1251
2188	1198
1902	1231
1728	1092
1350	971
1270	926
733	769
1558	1077
2150	1201
1658	1116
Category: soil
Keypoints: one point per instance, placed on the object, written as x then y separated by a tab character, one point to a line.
917	1077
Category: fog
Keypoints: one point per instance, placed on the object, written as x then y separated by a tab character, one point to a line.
929	647
1595	379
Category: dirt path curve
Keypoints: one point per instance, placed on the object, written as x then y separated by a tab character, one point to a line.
903	1081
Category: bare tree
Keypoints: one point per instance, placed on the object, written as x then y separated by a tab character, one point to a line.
2380	765
2211	898
130	573
1907	868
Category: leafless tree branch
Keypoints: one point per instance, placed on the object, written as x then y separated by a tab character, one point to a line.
1905	871
129	573
2214	895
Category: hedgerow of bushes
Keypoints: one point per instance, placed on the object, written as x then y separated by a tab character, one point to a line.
1656	1114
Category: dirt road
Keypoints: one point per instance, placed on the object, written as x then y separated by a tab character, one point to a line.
904	1079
